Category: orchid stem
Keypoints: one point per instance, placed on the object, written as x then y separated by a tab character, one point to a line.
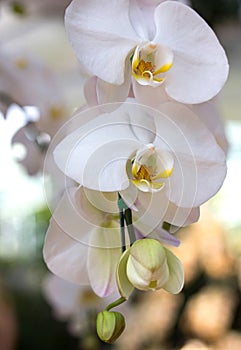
122	223
115	303
128	219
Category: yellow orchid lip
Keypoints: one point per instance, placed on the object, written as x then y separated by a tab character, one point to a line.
147	57
150	165
146	186
164	174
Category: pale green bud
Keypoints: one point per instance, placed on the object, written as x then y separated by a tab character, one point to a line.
147	267
109	325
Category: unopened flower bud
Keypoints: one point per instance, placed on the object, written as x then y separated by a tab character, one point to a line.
109	325
147	265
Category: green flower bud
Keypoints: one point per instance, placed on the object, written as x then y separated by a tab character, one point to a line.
150	266
109	325
147	266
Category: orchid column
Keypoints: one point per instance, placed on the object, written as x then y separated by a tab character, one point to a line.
137	163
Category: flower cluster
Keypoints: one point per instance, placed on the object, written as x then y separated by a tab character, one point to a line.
145	152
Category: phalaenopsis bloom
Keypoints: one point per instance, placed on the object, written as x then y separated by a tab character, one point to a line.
139	167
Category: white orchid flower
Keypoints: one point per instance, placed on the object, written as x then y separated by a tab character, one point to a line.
164	163
163	47
83	243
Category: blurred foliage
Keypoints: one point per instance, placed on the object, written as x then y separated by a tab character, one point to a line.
18	8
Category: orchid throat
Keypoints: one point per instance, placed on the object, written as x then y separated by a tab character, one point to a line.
150	168
150	62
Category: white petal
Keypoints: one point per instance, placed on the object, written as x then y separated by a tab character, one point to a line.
200	66
141	17
105	169
76	216
90	91
179	216
109	93
158	233
98	92
102	262
95	154
149	95
165	237
209	114
155	203
179	129
105	201
124	285
165	163
141	122
151	211
199	178
65	256
102	36
135	277
176	273
152	3
200	167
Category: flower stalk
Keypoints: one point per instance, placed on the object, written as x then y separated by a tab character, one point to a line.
115	303
121	206
130	228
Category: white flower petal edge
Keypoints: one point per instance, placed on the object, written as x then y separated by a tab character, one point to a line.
200	66
176	273
64	256
106	144
154	209
197	154
102	262
95	27
79	263
179	216
119	142
74	211
210	115
98	92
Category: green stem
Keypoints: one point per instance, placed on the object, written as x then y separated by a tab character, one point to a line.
130	228
115	303
122	223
